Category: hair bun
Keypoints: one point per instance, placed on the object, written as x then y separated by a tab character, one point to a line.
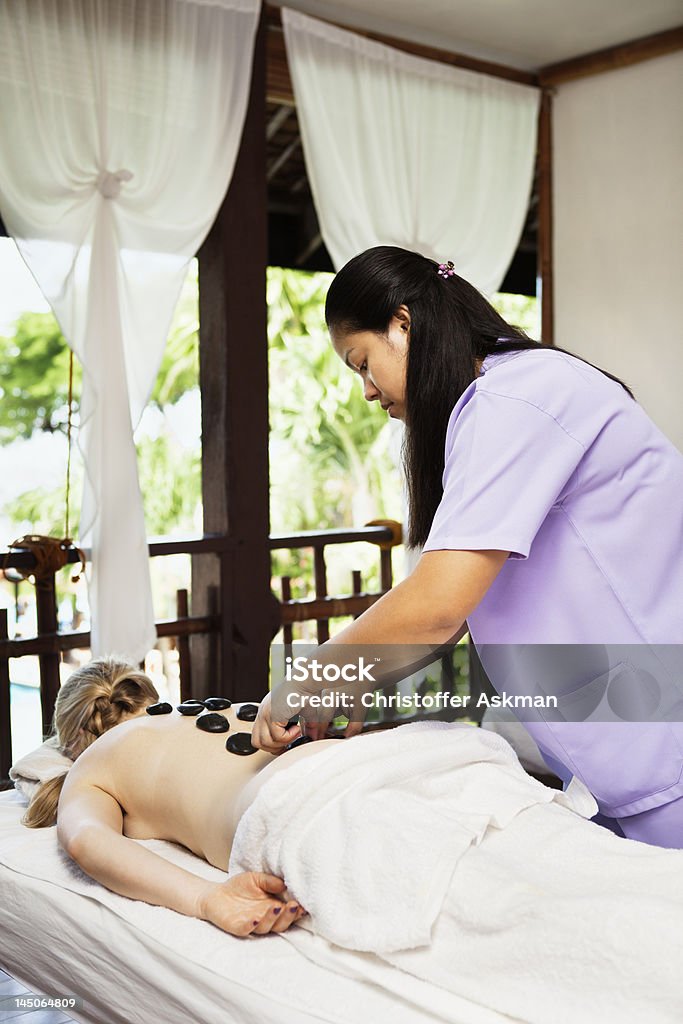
128	691
122	693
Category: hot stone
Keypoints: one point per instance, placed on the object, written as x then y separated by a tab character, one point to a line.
240	743
248	713
213	723
217	703
191	707
159	709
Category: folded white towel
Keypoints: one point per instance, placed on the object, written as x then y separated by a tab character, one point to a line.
42	764
367	834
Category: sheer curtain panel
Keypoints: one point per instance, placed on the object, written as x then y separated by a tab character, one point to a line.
120	122
409	152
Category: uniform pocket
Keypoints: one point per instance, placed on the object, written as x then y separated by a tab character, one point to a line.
601	730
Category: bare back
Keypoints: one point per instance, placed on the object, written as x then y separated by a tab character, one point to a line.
173	781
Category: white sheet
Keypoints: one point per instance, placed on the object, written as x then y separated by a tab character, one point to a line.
62	933
541	915
367	833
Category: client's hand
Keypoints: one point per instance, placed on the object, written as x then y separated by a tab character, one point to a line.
269	735
247	904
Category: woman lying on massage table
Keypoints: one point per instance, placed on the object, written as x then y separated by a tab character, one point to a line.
158	776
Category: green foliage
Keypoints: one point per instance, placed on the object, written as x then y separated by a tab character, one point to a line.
330	461
34	378
171	483
40	510
34	369
519	310
331	458
179	370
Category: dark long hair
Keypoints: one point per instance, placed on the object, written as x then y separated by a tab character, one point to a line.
451	327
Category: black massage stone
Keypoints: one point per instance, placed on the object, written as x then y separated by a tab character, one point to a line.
293	721
212	723
240	743
217	703
159	709
248	713
190	707
299	741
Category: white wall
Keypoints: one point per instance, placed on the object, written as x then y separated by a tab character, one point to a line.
618	229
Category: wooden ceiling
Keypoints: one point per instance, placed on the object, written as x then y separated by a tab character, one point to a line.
294	234
293	229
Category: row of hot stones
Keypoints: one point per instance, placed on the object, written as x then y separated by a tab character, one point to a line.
206	718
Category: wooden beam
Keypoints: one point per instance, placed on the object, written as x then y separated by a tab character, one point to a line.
613	57
55	643
545	217
282	158
279	83
277	120
5	712
46	615
324	608
278	80
234	383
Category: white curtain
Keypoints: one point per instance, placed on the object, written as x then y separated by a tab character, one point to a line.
618	228
120	122
409	152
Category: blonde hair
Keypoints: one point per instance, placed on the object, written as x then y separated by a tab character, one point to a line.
92	700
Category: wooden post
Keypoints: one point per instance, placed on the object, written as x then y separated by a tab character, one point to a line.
320	569
184	662
287	633
5	719
545	217
46	614
356	584
233	351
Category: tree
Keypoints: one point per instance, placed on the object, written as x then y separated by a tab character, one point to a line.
333	461
330	449
34	369
34	378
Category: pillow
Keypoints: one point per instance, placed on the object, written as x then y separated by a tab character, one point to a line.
41	765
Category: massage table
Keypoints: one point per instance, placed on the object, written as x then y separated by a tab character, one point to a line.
443	884
134	964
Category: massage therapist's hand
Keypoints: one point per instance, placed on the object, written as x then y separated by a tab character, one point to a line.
248	904
269	735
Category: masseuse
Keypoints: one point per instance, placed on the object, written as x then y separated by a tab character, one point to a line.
548	506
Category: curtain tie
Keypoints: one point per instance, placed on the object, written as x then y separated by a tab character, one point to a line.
109	182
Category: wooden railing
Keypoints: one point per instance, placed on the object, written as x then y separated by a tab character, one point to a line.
49	644
385	533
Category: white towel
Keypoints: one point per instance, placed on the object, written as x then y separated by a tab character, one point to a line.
42	764
367	833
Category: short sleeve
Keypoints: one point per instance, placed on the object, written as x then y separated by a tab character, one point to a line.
506	464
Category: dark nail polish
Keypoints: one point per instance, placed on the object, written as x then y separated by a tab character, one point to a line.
276	910
292	910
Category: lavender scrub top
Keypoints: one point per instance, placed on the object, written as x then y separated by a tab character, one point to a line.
549	459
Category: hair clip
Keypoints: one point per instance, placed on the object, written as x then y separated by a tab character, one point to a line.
446	269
